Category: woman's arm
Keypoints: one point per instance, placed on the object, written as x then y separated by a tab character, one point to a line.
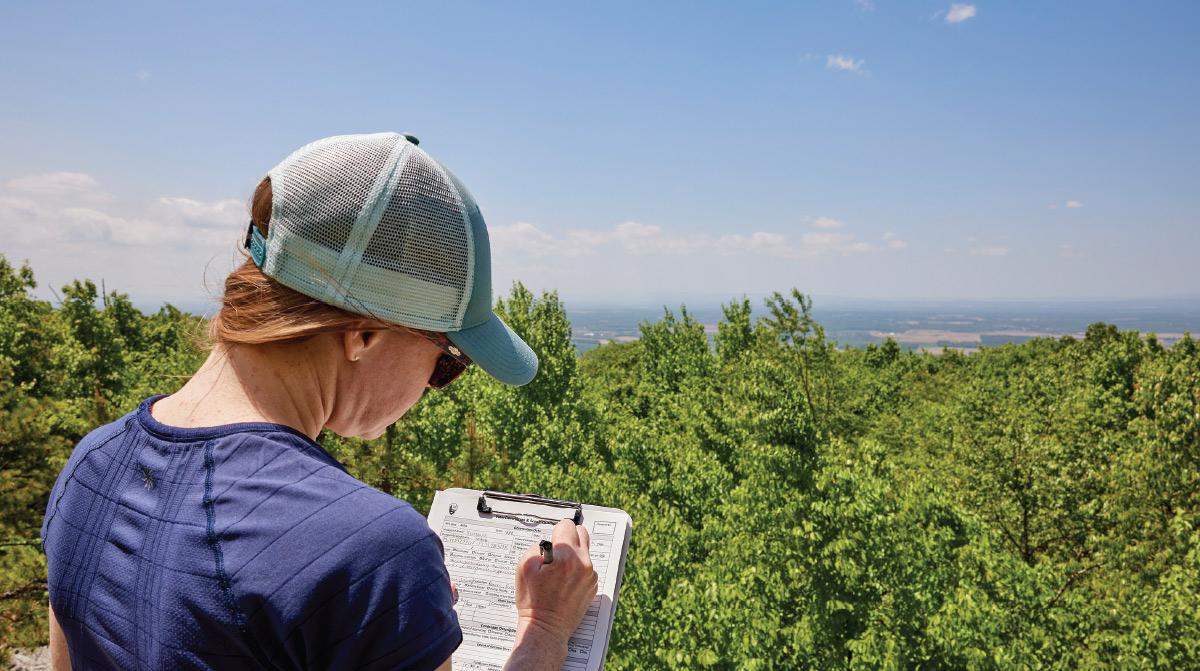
60	659
552	599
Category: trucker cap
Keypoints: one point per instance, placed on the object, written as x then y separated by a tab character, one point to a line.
374	225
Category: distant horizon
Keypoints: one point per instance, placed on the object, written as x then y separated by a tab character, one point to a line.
637	300
196	303
713	301
930	324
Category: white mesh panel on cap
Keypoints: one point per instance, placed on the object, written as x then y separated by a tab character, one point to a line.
326	184
417	267
317	194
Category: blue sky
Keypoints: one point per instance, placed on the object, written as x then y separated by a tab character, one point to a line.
982	150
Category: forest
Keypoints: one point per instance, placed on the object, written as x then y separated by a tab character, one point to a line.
796	504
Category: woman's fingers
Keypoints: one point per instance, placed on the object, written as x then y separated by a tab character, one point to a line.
556	595
564	533
530	562
574	540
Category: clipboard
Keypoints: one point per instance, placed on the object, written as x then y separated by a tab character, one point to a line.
483	534
485	508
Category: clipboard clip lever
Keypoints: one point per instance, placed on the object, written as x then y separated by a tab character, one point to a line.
534	499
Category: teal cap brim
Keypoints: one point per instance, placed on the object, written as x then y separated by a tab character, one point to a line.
498	351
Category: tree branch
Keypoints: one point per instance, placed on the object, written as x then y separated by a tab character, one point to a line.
32	586
32	541
1074	576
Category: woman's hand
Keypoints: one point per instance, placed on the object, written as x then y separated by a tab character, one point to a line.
552	598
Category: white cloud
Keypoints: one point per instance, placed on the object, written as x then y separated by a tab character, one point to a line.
973	238
219	214
1066	251
25	222
990	251
892	242
822	244
521	237
838	62
960	12
55	183
948	250
636	239
633	238
1053	207
66	208
759	243
1074	203
641	239
824	222
85	224
143	76
864	5
173	249
20	220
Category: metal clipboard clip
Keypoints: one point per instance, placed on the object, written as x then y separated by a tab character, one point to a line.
533	499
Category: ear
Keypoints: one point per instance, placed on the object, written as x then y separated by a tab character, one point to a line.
357	342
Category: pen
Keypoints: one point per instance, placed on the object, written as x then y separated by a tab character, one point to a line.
547	551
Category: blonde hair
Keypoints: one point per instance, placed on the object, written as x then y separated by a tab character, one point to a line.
257	310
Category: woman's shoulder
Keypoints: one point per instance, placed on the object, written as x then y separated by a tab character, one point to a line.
324	565
287	482
91	465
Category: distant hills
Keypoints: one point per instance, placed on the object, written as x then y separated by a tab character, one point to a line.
922	324
931	324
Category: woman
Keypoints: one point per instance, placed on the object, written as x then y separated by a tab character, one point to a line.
207	530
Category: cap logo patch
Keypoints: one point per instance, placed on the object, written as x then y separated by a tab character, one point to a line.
258	247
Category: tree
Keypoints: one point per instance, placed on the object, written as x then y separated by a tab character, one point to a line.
794	506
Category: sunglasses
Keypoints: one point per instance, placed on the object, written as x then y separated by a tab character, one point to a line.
450	364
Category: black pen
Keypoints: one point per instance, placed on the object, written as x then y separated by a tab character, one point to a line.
547	551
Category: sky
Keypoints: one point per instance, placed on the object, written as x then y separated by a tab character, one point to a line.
848	148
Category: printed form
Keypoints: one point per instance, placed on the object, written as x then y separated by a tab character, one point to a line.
481	554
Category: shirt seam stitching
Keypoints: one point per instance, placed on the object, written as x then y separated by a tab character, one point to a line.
214	541
63	490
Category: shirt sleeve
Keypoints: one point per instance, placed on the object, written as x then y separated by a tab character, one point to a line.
376	598
399	615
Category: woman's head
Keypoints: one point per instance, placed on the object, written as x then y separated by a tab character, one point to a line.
257	310
369	233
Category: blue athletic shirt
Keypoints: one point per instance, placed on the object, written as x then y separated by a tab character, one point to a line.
237	547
